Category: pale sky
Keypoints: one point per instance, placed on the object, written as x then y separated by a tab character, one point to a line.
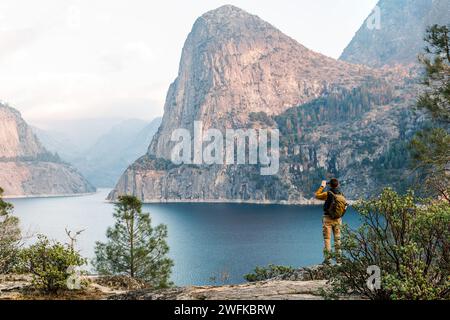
79	59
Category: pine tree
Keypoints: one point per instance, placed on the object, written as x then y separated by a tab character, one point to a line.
431	147
436	98
134	247
10	236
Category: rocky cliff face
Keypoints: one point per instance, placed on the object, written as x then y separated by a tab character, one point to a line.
234	63
237	71
27	168
16	138
394	33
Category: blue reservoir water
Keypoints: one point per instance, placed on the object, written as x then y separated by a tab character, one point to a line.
224	241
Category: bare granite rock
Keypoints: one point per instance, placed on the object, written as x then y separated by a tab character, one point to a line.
394	32
266	290
235	65
17	287
27	168
10	283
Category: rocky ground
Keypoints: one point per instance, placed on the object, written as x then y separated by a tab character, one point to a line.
18	287
301	284
263	290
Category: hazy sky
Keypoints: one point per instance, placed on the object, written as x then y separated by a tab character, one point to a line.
80	59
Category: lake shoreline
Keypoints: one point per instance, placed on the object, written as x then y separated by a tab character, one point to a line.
305	202
302	202
49	196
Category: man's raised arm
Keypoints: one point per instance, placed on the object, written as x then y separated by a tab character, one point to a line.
320	195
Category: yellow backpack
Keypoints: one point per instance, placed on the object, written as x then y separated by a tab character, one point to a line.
338	206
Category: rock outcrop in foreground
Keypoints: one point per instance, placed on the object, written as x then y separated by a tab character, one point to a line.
27	168
239	72
264	290
299	284
18	288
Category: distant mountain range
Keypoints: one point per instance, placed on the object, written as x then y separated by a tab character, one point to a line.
107	157
27	168
58	142
349	118
335	118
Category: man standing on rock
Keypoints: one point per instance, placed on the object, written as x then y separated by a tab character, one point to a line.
334	209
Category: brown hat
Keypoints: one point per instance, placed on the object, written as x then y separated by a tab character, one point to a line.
334	183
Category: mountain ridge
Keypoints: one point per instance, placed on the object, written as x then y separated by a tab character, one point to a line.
109	155
233	69
232	65
27	168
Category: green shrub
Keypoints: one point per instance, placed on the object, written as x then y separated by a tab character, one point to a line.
269	272
408	239
10	236
51	264
134	247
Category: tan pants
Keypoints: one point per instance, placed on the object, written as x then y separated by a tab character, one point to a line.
331	225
